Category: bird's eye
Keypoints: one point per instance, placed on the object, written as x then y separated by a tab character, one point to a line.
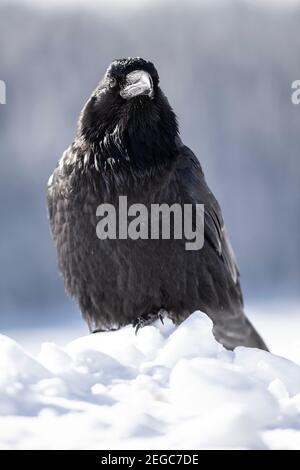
112	82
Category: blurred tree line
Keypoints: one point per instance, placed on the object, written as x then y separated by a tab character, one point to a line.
227	70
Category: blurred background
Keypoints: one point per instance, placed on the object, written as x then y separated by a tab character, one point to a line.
227	69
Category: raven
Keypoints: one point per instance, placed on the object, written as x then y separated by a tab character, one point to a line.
128	144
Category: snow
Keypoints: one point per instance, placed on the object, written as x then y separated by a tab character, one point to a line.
164	388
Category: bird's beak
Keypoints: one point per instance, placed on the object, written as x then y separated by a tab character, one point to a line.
137	83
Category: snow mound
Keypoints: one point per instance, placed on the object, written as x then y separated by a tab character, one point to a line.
166	387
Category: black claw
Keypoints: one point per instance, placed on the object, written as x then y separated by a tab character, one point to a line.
98	330
142	321
148	319
101	330
137	329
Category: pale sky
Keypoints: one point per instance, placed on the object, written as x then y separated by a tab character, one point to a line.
112	4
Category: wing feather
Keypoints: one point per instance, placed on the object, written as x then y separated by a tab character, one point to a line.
195	185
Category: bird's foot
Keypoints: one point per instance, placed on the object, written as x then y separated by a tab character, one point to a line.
97	330
101	330
149	318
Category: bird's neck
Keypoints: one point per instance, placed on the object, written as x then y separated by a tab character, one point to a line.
144	141
150	144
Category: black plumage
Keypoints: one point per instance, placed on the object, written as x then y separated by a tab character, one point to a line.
127	143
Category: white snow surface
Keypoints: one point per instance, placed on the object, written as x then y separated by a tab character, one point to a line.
165	388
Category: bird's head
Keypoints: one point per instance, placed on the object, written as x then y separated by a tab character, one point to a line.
132	78
129	105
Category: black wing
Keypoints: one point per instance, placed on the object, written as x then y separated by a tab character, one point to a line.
234	329
193	180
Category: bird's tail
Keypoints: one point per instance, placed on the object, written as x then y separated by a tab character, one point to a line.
238	331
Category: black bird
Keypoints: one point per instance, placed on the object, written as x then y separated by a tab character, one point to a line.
127	144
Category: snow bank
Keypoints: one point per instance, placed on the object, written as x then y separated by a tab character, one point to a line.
166	387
